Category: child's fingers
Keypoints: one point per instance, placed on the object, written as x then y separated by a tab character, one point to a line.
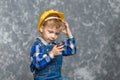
62	49
58	50
66	24
61	46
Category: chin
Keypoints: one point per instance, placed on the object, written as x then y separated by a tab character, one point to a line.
51	41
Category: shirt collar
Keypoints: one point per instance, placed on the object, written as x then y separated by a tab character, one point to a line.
42	40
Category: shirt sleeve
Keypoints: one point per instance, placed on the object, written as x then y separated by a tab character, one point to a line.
38	56
70	47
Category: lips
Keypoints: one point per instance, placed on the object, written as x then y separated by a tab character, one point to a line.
51	40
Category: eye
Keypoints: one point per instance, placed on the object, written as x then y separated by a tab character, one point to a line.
50	31
57	33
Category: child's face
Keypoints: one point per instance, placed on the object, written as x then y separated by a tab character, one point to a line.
50	32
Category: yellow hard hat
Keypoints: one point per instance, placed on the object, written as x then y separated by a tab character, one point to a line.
47	14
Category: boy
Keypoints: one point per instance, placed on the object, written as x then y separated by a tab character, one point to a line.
46	55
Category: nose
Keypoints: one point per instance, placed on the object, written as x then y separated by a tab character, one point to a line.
53	36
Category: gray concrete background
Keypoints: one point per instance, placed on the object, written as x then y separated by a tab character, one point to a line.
94	23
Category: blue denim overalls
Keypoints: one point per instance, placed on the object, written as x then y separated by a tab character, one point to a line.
52	71
49	69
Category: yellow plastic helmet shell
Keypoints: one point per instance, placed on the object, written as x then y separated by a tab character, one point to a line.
48	14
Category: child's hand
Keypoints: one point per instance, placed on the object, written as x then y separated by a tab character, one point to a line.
57	50
67	30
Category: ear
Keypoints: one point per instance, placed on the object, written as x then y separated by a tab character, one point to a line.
41	29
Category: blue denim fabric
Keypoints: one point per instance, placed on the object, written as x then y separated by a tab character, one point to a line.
45	68
61	78
51	72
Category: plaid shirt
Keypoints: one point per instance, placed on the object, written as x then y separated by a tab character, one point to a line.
40	52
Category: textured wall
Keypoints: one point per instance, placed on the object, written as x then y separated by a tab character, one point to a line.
94	23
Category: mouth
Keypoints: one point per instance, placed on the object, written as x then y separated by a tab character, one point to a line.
51	40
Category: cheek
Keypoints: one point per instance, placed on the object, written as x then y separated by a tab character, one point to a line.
48	34
56	36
